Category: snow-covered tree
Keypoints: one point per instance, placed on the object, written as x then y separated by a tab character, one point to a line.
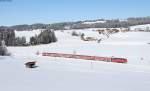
3	49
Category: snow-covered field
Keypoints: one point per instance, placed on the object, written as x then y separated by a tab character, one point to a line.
141	27
62	74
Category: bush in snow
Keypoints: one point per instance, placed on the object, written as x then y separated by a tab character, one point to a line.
82	36
74	33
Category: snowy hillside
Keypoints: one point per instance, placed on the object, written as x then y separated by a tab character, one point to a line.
118	45
141	27
94	22
62	74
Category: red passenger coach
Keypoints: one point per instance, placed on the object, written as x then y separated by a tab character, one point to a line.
86	57
119	60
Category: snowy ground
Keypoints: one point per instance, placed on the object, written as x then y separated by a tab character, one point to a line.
62	74
141	27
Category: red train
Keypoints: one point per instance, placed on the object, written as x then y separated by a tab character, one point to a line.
119	60
85	57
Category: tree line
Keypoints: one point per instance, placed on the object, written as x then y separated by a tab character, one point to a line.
113	23
8	35
45	37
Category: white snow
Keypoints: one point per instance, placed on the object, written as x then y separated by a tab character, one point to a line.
141	27
94	22
62	74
